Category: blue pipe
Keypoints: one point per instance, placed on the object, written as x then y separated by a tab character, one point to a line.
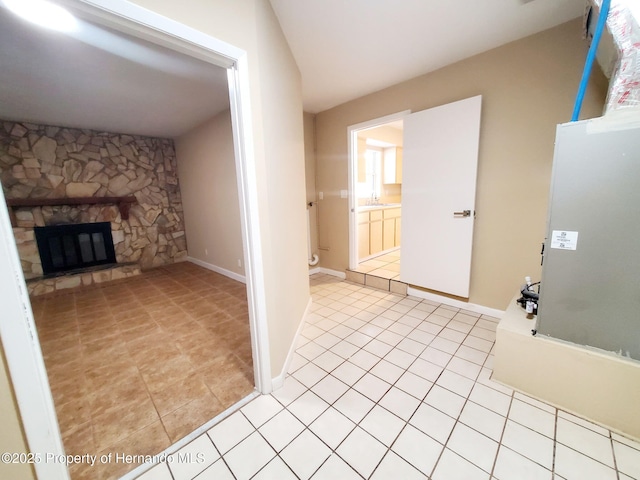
604	13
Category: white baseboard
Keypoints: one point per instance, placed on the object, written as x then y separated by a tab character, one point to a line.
220	270
328	271
493	312
278	381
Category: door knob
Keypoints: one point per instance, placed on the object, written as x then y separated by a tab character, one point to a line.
464	213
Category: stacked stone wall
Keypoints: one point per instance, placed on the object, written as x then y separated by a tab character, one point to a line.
38	161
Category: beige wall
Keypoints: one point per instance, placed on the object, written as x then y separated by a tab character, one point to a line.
310	178
11	437
207	173
276	103
284	221
528	87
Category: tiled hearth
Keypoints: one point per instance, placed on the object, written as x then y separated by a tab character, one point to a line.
82	278
136	364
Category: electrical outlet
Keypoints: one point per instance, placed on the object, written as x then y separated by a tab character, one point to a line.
206	252
320	195
239	263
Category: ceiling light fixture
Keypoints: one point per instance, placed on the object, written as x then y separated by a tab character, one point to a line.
43	13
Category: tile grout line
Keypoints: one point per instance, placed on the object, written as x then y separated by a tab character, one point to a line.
77	314
416	357
376	403
221	455
504	428
613	454
555	442
512	396
457	420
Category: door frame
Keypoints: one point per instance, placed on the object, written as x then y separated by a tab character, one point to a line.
352	139
17	327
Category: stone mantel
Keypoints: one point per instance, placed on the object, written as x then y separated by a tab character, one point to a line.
123	203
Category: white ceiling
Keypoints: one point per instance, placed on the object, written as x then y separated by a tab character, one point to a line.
348	48
103	80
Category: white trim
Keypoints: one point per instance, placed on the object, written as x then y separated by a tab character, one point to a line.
352	139
220	270
313	271
17	327
335	273
135	473
24	358
241	120
472	307
128	17
278	381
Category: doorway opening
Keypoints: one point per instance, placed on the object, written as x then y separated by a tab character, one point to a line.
22	349
439	167
375	186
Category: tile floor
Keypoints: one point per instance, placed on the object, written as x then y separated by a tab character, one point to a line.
390	387
384	266
136	364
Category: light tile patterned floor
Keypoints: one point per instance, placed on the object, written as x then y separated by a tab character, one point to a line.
384	266
134	365
391	387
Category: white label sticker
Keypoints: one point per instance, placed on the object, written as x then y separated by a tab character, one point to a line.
564	240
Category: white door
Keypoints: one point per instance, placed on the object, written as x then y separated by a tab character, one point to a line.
438	196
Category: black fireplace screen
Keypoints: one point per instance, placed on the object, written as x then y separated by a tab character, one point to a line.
70	247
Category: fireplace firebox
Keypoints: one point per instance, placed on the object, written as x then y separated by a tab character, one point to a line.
64	248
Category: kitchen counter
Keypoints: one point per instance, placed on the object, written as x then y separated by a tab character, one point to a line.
382	206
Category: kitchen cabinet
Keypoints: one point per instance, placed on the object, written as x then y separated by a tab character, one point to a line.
363	235
378	230
389	224
388	233
392	157
375	232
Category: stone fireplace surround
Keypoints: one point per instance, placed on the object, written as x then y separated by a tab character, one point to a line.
50	162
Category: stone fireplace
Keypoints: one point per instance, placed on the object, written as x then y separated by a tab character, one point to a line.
55	175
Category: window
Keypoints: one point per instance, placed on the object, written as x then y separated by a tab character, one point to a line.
372	185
